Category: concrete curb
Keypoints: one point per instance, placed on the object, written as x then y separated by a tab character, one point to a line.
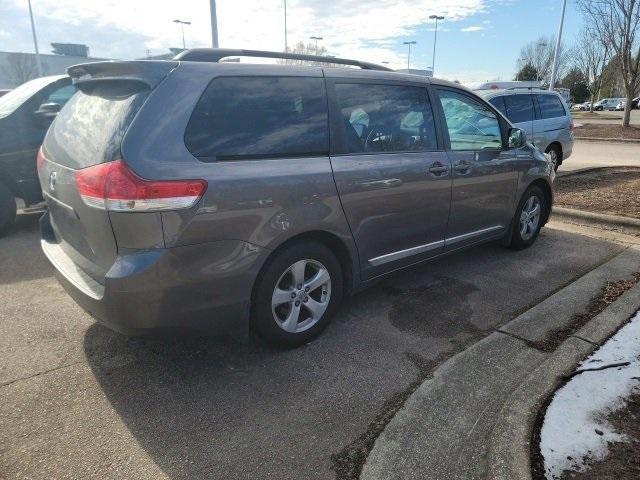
607	140
562	213
510	449
474	418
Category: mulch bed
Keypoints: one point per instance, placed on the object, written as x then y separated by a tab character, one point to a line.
623	461
601	130
613	191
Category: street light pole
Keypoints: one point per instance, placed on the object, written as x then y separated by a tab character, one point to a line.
435	39
554	70
413	42
35	41
539	66
316	40
182	24
214	23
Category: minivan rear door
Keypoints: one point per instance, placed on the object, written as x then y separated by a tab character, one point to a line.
393	178
551	119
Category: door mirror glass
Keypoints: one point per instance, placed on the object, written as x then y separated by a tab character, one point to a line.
517	138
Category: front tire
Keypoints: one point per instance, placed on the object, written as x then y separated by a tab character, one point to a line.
7	209
528	219
296	294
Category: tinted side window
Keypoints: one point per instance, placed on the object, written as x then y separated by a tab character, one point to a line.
498	102
251	117
472	125
550	106
386	118
519	108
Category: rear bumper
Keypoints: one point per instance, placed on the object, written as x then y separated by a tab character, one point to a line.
206	286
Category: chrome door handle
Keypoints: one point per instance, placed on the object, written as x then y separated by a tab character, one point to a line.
462	167
438	169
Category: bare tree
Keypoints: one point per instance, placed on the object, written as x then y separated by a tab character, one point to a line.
539	55
304	49
618	24
591	56
21	68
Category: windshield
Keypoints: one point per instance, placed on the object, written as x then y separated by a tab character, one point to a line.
12	100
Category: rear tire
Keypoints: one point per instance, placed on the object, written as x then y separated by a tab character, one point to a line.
7	209
296	294
529	218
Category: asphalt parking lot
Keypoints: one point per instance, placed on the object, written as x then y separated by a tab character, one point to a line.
78	401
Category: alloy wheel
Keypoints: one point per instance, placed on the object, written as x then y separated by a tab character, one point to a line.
301	296
530	217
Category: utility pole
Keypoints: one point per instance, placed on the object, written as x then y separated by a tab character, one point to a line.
539	66
554	71
286	44
35	41
412	42
214	24
435	39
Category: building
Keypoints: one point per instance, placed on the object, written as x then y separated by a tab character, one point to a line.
18	67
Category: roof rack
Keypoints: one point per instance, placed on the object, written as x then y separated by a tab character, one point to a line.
217	54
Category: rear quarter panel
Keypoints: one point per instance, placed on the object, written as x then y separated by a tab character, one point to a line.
262	202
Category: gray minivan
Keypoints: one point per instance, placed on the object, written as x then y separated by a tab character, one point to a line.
219	195
542	114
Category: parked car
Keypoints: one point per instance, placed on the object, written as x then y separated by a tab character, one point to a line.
636	102
620	105
25	114
213	195
542	114
606	104
582	107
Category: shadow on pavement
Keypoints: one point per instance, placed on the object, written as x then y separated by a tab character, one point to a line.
212	408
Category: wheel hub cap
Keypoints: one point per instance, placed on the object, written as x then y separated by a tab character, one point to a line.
301	296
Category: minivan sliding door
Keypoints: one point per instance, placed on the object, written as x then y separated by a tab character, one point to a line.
393	180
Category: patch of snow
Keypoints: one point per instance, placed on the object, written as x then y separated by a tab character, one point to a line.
575	427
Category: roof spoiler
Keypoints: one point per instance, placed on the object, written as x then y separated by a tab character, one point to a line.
148	72
217	54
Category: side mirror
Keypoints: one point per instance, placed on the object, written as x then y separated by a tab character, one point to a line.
48	110
517	138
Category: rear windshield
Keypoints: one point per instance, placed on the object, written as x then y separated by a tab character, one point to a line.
90	127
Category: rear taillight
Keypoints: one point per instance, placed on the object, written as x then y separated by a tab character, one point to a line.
112	186
39	159
571	125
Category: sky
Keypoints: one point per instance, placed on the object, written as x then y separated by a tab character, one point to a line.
478	41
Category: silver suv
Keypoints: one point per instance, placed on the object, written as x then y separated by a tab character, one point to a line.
542	114
219	195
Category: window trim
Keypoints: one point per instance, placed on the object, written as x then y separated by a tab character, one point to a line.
501	124
249	157
338	144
